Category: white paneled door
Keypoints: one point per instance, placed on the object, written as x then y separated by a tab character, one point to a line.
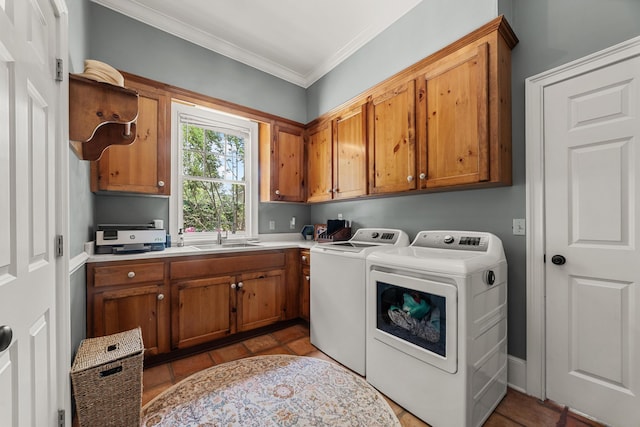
592	218
29	34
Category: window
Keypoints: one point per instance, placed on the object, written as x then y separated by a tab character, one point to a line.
214	169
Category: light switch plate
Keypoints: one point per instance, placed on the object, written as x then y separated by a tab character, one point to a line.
518	226
272	225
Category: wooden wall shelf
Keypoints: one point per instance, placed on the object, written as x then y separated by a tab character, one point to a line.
100	115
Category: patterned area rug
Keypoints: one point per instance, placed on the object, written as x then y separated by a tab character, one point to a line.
276	390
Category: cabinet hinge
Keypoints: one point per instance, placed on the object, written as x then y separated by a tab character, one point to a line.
59	69
59	245
61	418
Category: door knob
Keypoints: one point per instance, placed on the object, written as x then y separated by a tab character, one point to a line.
6	335
558	259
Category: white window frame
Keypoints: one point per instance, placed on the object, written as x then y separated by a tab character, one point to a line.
224	120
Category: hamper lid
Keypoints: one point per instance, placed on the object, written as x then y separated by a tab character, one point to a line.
100	350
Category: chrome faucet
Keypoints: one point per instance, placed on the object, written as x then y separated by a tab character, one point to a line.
219	239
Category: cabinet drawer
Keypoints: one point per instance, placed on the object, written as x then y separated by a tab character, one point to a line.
127	274
221	265
305	257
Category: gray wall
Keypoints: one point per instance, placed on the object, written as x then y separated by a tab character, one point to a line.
146	51
81	200
132	46
551	33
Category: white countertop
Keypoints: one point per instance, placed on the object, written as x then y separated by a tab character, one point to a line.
263	243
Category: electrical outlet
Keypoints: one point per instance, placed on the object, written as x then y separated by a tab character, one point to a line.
272	225
339	216
518	226
292	223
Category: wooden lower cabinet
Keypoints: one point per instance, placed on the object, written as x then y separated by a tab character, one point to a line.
181	302
305	284
259	299
124	295
201	310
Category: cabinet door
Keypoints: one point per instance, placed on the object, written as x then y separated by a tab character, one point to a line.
260	299
144	166
350	154
202	310
319	163
124	309
457	120
305	292
287	170
391	124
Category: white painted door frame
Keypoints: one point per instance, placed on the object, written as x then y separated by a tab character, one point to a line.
535	222
63	286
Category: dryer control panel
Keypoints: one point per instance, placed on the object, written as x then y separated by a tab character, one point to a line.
458	240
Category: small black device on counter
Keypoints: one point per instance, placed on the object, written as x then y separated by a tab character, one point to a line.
129	238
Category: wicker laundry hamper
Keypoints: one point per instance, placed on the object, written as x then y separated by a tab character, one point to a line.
107	380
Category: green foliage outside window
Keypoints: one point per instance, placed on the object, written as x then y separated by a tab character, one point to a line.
213	190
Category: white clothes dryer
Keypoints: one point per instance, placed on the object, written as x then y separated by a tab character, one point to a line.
437	326
337	296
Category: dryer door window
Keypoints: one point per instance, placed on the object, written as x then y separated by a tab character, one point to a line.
416	316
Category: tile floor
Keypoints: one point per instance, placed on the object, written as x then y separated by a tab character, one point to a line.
516	409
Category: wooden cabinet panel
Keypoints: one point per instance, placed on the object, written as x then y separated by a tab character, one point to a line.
144	166
201	311
128	274
319	163
260	299
391	124
226	264
286	170
350	154
457	119
124	309
305	283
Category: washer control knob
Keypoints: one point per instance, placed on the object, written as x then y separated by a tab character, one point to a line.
448	239
375	234
489	277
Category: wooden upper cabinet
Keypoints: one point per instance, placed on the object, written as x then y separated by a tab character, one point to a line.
456	103
392	148
350	153
282	164
144	166
319	163
464	116
337	157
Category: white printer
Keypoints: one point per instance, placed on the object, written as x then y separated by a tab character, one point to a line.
129	238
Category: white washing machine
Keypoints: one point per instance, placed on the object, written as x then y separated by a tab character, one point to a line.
338	280
437	326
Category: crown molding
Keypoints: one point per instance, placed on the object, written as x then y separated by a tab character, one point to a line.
173	26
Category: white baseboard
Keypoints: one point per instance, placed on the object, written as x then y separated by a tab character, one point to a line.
517	374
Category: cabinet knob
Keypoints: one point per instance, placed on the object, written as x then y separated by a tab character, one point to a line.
307	277
335	190
131	274
160	183
240	284
423	175
304	257
330	191
233	286
409	178
277	192
160	297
